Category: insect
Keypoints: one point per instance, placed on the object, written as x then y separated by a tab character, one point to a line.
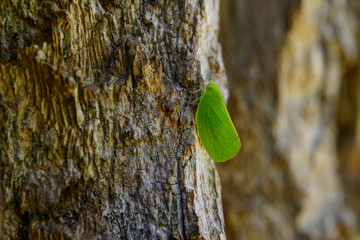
214	125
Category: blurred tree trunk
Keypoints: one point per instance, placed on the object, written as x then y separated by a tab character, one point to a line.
294	70
97	139
259	194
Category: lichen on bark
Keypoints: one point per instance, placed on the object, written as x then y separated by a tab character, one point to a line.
97	137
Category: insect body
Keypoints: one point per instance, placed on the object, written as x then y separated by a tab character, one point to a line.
214	125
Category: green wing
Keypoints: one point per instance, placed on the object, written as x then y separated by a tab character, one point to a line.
214	125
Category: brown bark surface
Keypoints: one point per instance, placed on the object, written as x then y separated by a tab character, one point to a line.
97	136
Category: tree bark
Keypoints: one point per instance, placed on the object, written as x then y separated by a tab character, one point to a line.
97	138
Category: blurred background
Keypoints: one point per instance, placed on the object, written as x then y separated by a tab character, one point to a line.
294	73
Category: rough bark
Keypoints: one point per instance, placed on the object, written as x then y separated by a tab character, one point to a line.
97	136
294	67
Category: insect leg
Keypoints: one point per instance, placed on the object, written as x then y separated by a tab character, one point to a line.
200	90
196	100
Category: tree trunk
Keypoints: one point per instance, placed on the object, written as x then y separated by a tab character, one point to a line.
259	194
294	70
97	138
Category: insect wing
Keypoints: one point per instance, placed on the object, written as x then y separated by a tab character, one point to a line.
215	127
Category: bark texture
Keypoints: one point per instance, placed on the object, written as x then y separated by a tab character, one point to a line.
97	136
294	71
